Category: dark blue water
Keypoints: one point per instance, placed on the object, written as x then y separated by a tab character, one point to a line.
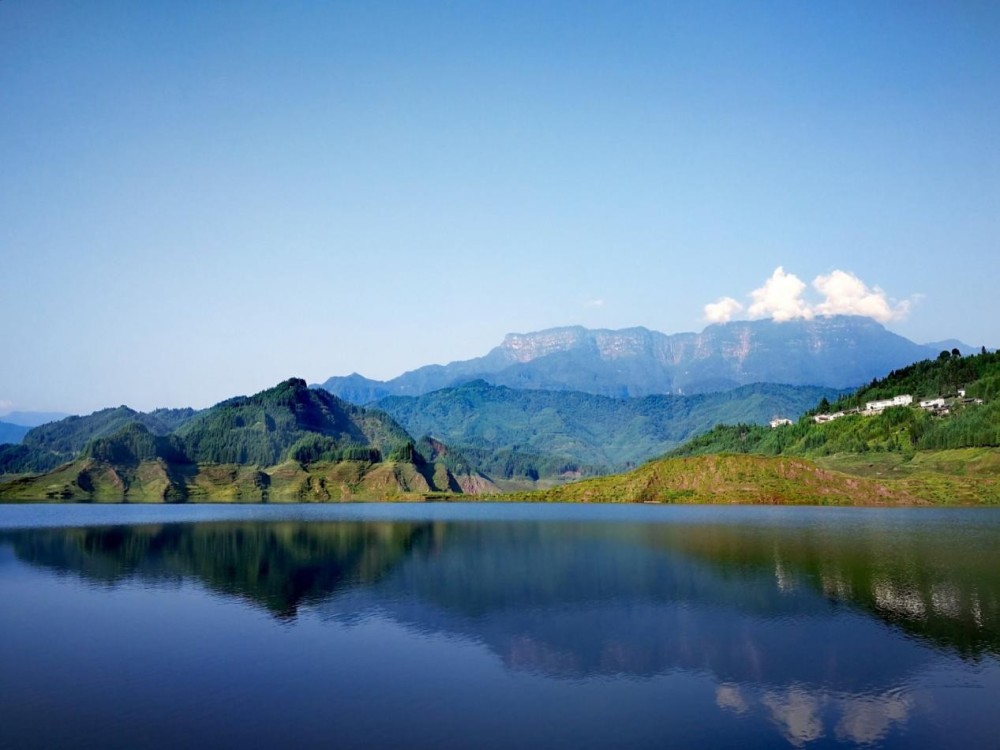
498	626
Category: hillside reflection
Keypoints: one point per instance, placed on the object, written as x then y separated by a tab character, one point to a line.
277	566
764	604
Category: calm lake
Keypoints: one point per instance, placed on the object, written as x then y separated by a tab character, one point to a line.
498	626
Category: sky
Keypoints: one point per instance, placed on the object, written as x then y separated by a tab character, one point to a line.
198	200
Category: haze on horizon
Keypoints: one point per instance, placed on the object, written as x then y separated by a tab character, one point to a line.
200	200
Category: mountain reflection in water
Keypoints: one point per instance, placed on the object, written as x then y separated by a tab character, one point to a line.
818	628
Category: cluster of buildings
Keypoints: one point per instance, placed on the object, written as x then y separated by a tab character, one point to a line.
938	406
871	408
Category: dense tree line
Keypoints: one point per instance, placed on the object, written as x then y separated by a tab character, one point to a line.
23	459
313	448
265	428
134	443
69	436
502	464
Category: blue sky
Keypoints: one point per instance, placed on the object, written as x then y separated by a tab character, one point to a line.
201	199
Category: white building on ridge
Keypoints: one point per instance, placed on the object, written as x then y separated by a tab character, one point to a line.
877	406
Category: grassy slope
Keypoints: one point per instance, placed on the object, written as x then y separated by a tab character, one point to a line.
953	459
154	481
732	479
968	476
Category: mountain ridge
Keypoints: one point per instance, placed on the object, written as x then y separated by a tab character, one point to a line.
834	352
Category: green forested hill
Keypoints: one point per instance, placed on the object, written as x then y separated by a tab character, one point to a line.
978	374
48	445
134	443
583	429
69	436
284	443
902	429
263	428
505	466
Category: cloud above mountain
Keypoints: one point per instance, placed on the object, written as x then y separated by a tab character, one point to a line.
782	297
722	310
846	294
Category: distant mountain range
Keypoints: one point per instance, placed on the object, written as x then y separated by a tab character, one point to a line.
16	424
594	431
832	352
32	418
12	433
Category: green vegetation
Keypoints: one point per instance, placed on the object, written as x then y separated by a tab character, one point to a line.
900	429
903	455
261	429
938	478
519	432
313	448
504	464
979	374
157	481
69	436
288	443
55	443
21	459
133	444
728	479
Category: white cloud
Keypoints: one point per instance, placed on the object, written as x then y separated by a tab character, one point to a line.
722	310
595	303
6	407
780	298
846	294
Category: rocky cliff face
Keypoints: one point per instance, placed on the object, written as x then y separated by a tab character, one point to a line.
836	351
608	345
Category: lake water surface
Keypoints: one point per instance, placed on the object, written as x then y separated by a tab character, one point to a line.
498	626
